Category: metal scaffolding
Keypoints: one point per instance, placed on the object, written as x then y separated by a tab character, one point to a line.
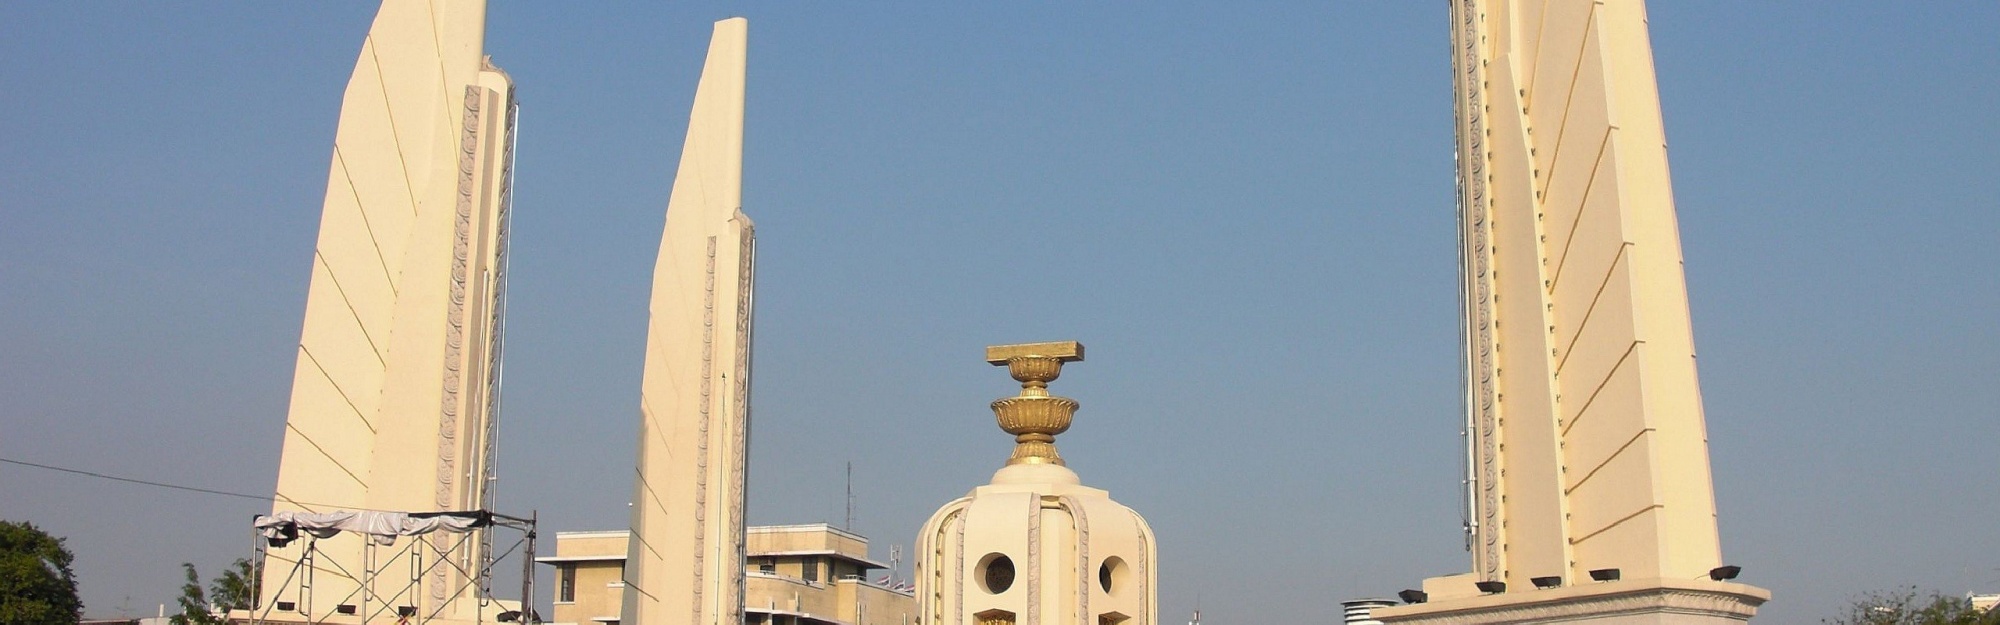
390	586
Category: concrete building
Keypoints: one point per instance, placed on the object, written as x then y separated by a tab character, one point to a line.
1589	495
1035	546
793	575
1983	603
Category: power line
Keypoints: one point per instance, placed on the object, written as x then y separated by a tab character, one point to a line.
134	480
197	489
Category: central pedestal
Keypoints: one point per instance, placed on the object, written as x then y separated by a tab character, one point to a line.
1627	602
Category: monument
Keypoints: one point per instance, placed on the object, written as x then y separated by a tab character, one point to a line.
1035	546
395	390
684	561
1589	493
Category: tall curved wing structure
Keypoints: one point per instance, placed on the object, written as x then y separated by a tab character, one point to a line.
394	390
1587	439
685	560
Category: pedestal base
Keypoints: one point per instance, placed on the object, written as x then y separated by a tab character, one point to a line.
1628	602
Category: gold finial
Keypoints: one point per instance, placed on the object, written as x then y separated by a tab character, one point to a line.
1035	417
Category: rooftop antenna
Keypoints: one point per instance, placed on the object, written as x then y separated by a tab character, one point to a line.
849	526
895	563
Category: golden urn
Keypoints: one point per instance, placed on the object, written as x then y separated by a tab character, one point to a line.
1035	417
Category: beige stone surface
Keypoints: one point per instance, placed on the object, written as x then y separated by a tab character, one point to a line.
1589	449
685	557
393	392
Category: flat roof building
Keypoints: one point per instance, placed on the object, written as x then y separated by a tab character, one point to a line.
812	574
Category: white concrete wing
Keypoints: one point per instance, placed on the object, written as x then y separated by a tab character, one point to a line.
393	385
1588	444
685	560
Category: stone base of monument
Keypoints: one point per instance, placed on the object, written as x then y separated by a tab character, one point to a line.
1626	602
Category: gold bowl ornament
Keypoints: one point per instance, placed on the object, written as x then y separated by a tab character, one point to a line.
1035	417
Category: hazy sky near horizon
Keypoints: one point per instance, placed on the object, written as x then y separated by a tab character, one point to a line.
1245	211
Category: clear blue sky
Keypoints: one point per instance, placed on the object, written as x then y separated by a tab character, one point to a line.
1245	211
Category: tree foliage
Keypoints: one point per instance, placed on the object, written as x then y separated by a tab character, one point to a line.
36	584
1907	607
234	589
195	609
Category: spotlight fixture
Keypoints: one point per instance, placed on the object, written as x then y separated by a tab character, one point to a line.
287	606
406	610
345	608
1604	575
1551	581
1725	572
509	616
1413	596
1491	587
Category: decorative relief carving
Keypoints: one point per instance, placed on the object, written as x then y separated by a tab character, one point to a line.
932	545
1474	235
739	431
498	321
1141	573
701	436
1081	521
958	585
454	336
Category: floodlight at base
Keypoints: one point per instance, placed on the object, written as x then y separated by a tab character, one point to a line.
1413	596
1725	572
1604	575
1547	582
1491	587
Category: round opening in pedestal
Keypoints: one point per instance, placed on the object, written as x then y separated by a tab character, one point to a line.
995	573
1111	574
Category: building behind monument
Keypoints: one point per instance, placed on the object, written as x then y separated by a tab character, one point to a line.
812	574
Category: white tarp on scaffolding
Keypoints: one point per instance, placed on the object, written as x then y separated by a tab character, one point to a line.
381	527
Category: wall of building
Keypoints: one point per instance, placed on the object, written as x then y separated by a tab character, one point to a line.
793	575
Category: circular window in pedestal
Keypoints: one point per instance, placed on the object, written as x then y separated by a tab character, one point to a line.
996	573
1111	574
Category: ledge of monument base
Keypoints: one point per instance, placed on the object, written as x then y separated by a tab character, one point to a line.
1627	602
490	615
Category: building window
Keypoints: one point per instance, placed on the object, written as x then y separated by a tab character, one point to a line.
809	569
566	589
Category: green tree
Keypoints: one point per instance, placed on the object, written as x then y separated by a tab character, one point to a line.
36	584
1907	607
195	608
236	587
